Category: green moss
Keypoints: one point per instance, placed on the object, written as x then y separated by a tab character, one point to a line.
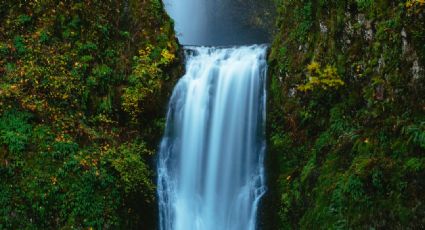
351	156
71	154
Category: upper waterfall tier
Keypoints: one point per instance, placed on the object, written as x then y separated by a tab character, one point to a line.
215	22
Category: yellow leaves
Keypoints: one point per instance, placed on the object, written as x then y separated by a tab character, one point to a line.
54	180
131	101
60	138
36	34
105	147
13	87
313	67
167	57
9	90
359	69
146	51
153	63
147	78
83	162
30	107
415	6
88	162
412	3
323	78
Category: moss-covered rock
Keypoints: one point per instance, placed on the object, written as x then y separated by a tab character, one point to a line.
81	111
350	156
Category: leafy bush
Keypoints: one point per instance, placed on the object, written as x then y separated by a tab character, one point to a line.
416	134
325	79
68	150
134	173
346	142
15	130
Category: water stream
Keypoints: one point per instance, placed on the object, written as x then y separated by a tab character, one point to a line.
210	166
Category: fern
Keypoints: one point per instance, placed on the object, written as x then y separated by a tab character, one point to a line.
416	134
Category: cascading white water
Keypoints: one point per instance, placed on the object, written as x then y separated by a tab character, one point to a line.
210	166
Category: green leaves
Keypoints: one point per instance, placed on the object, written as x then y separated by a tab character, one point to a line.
415	164
416	133
19	44
346	114
364	4
135	175
15	130
69	157
23	19
147	79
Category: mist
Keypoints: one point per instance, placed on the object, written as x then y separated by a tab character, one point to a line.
215	22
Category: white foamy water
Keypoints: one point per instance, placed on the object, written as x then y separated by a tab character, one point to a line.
210	166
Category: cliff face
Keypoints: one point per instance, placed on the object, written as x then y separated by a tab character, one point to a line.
83	90
346	120
84	85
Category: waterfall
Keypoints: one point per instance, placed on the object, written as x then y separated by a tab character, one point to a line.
214	22
210	166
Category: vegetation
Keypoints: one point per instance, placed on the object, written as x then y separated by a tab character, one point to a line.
83	89
321	79
84	85
346	115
